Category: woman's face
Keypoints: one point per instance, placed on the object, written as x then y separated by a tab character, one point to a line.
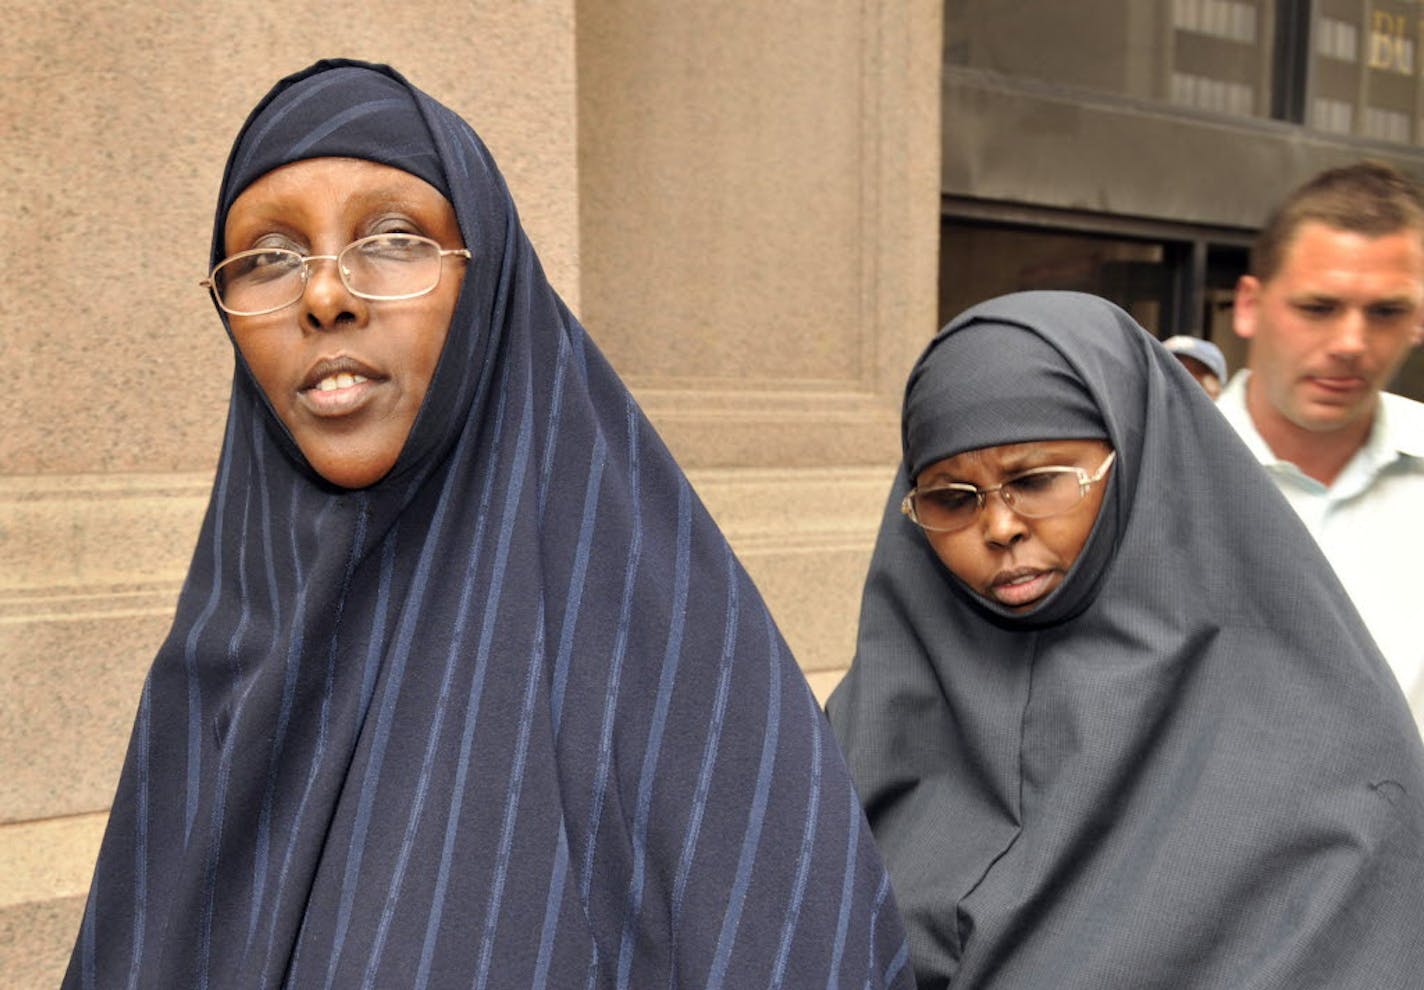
346	375
1005	557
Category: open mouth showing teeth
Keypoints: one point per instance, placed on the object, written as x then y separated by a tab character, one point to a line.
333	382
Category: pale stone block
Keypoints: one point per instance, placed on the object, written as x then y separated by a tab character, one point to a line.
72	687
64	535
35	941
93	565
49	859
759	219
715	150
45	868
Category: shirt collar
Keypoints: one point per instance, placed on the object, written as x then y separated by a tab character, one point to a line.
1400	426
1232	403
1397	431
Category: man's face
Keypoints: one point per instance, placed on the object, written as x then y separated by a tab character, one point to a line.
1205	377
1331	327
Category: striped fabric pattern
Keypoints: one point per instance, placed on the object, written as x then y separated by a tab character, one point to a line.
512	717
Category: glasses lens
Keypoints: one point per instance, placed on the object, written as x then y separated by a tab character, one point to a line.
391	266
258	281
945	508
1044	493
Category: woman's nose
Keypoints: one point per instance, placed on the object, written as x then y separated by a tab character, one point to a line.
326	301
1002	526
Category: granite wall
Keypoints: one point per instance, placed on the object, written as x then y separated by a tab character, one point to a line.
740	199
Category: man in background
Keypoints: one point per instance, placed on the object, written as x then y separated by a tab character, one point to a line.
1202	358
1331	308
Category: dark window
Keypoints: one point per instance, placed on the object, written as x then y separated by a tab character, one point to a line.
1338	66
1214	55
1172	278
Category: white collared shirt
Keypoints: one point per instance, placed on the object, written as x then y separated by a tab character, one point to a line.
1370	523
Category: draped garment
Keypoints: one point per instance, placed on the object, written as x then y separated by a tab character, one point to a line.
1189	767
513	716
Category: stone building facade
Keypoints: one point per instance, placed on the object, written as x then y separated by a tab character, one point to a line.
740	199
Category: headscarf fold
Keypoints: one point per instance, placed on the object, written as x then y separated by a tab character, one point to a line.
513	716
1190	767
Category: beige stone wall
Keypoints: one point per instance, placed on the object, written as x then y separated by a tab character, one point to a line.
740	198
759	204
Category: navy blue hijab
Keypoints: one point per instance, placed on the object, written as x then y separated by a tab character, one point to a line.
1188	767
513	716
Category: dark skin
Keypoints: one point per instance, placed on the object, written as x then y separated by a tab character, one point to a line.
1003	556
346	375
1205	377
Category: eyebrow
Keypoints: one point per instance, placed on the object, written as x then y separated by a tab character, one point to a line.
277	217
1032	457
1401	298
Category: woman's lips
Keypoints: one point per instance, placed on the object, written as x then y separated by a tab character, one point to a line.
1019	587
338	387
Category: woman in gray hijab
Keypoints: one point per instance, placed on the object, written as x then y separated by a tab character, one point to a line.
1112	717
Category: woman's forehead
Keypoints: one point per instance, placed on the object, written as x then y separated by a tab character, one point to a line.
1009	458
299	191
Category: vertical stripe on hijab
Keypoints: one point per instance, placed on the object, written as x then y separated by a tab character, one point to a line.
512	716
1191	767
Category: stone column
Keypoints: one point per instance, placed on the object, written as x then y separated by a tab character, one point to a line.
759	215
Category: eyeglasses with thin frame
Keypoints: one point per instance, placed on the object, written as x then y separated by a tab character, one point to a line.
381	267
1033	494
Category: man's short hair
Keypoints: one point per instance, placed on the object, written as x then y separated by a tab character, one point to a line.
1369	198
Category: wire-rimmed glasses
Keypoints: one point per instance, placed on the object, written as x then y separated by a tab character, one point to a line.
381	267
1034	494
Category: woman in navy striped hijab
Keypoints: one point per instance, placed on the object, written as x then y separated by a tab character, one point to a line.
465	688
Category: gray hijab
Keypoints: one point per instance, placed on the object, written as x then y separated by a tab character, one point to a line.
1190	766
1022	390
